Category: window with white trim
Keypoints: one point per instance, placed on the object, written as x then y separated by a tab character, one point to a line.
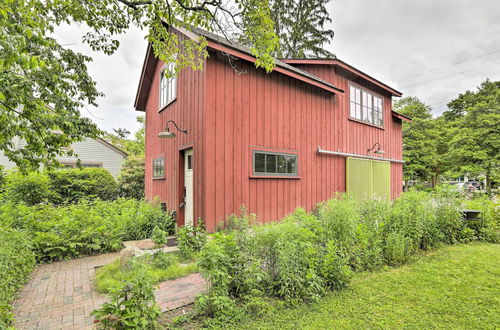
167	86
365	106
274	164
159	168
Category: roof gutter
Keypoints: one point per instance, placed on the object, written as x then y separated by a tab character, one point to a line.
345	154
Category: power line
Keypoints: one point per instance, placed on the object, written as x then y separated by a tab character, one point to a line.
451	75
447	66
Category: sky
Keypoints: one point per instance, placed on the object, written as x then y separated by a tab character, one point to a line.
432	49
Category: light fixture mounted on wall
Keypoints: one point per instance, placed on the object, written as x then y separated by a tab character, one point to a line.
379	150
166	134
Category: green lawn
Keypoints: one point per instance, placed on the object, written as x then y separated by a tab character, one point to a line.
456	287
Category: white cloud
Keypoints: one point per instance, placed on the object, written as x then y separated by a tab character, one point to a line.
392	40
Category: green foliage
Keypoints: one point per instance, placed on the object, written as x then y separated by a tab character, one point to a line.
475	145
16	262
308	254
421	141
301	28
32	188
191	239
61	186
72	185
133	306
452	288
37	71
131	179
159	237
84	228
157	267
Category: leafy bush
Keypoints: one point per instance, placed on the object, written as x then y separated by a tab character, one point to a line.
60	186
307	254
191	239
32	188
72	185
84	228
489	227
131	179
159	237
133	306
16	262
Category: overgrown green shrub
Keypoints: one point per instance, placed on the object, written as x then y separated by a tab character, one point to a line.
159	237
72	185
489	227
367	252
190	239
131	179
339	218
16	262
307	254
84	228
131	307
32	188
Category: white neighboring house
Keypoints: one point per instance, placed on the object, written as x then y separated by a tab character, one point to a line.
91	152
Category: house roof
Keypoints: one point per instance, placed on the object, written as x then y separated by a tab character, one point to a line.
222	44
346	66
111	146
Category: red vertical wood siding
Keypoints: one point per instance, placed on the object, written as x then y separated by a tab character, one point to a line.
256	110
187	112
229	113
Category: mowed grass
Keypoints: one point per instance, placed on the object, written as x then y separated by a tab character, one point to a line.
456	287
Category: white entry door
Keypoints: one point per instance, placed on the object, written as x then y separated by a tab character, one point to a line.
188	187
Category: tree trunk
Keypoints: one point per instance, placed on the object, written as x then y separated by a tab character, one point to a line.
488	183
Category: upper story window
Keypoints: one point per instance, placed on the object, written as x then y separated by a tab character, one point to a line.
274	164
159	168
167	86
366	106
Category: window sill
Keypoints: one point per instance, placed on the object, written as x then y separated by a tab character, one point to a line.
365	123
275	177
155	179
167	105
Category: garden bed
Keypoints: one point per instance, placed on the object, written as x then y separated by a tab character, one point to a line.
158	267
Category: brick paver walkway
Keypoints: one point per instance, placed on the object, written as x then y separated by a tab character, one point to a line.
62	295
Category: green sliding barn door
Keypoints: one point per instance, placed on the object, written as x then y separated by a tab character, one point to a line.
368	178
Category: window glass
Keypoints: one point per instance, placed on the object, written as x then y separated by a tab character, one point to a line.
159	168
268	163
260	163
365	106
167	86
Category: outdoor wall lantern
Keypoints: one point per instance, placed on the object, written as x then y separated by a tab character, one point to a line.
166	134
379	150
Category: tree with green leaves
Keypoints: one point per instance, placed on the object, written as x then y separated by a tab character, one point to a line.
422	140
131	179
301	28
43	84
475	143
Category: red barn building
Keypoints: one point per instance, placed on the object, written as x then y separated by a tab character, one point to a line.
271	142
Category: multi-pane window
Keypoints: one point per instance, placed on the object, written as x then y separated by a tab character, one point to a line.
159	168
274	164
365	106
167	86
